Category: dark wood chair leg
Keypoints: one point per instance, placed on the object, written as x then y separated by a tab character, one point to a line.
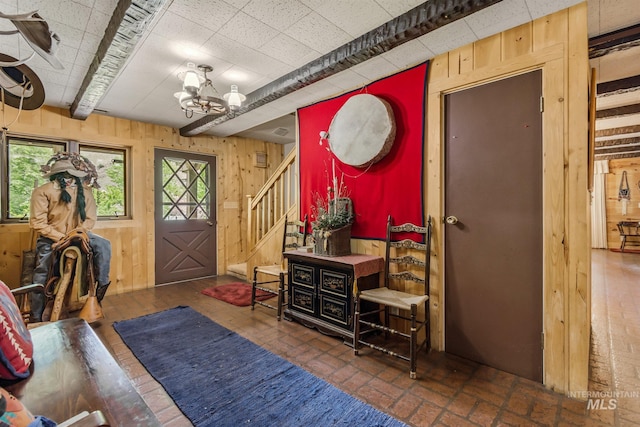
253	287
414	342
356	324
280	296
387	323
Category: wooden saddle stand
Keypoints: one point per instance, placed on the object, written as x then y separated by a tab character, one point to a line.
72	261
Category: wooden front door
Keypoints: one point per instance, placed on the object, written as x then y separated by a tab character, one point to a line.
493	224
185	216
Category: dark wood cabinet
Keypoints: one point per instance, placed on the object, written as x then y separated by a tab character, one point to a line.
321	289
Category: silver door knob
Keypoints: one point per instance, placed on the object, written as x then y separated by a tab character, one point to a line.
451	220
209	223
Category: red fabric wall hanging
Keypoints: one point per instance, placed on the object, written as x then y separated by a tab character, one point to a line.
391	186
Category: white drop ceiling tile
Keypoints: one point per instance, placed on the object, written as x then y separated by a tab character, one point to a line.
540	8
98	22
347	80
325	89
240	123
106	6
408	54
69	96
398	7
375	68
355	17
318	33
619	14
449	37
237	3
10	7
212	14
288	50
77	74
248	30
593	18
66	53
89	43
7	25
280	107
230	127
88	3
38	62
75	14
53	94
245	57
83	58
9	48
152	111
246	86
69	36
278	70
48	75
304	96
133	90
498	17
279	14
177	28
239	76
154	52
313	4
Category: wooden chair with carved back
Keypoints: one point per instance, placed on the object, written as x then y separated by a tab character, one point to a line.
407	264
294	237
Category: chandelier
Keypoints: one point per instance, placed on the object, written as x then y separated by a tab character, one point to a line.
199	96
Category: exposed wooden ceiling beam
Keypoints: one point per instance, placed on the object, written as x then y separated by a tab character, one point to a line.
626	110
618	86
420	20
622	147
618	149
125	29
613	156
618	131
616	40
614	142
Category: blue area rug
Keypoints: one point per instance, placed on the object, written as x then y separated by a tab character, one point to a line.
218	378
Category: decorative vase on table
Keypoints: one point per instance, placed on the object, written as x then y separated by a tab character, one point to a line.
332	227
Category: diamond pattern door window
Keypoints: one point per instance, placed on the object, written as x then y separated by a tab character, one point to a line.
185	189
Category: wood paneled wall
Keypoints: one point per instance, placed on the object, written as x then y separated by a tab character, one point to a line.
557	44
132	265
613	205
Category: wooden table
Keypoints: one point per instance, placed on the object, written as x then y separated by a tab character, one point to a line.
321	289
72	371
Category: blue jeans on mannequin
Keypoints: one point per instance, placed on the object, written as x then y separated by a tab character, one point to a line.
101	264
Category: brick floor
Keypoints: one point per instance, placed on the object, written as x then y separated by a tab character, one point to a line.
449	391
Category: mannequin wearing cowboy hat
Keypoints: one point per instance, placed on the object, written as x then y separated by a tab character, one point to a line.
61	205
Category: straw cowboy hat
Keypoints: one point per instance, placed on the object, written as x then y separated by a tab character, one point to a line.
64	165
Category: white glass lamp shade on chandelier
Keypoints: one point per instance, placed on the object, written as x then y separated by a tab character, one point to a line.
199	96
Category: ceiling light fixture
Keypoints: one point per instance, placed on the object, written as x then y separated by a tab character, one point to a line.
199	96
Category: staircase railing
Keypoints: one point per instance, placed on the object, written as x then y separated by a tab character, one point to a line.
273	200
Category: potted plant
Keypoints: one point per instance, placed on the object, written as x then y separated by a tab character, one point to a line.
332	217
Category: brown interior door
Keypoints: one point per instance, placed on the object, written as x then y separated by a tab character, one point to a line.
185	216
493	253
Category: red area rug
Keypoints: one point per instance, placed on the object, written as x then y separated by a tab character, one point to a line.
626	250
236	293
